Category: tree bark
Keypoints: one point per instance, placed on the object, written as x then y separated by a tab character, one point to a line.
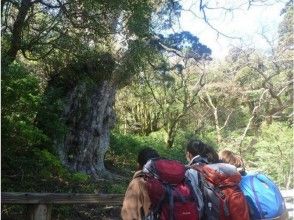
89	116
171	132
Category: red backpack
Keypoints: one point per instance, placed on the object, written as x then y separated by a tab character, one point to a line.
223	198
170	192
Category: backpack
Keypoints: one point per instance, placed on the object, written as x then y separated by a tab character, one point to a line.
223	198
263	196
171	194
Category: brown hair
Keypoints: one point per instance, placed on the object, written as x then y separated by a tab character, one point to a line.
230	157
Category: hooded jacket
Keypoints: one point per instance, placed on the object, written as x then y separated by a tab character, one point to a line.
136	204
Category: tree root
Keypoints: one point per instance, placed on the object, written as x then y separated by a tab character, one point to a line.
106	175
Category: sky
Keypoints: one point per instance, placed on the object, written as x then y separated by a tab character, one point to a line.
243	22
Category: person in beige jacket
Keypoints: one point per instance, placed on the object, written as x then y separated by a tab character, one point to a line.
136	204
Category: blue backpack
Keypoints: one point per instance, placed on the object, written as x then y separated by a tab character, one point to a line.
263	196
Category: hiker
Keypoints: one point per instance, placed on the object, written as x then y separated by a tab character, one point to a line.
160	190
197	151
263	196
219	184
227	156
136	204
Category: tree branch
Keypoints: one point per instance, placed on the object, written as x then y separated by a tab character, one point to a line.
255	109
17	31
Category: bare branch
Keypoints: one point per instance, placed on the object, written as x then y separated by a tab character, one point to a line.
152	92
210	25
226	122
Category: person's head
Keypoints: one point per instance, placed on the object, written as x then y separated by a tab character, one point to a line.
230	157
197	147
146	154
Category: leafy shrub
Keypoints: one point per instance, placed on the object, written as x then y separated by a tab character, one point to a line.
274	153
125	148
21	96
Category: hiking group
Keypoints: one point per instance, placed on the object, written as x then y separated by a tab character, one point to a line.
210	186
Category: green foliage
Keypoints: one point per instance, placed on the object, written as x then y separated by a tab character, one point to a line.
27	165
286	27
125	148
21	97
274	153
188	43
135	60
31	170
49	120
270	152
139	22
118	188
123	152
245	76
176	153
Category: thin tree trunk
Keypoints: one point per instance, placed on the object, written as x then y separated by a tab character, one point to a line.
216	121
171	133
253	113
16	37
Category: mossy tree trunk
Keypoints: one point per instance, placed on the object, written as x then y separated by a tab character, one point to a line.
78	112
88	116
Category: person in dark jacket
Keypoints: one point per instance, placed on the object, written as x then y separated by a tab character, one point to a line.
197	151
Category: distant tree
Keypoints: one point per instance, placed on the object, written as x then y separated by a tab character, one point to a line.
137	111
167	97
177	96
223	98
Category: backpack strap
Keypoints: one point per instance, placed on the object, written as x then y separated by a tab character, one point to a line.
158	207
170	200
255	195
194	196
216	189
188	182
166	197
